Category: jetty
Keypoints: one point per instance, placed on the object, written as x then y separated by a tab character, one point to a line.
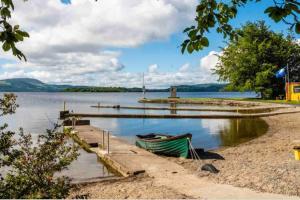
175	108
183	116
130	160
115	152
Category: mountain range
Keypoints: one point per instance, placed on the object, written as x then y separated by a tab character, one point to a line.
34	85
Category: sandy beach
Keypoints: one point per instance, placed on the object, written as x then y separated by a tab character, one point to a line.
140	187
265	164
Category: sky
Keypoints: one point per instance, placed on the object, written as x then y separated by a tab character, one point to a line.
113	42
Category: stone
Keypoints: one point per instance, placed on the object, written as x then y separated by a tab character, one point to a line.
210	168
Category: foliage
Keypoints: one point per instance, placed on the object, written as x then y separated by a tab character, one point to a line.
32	173
10	34
7	106
215	14
31	168
250	62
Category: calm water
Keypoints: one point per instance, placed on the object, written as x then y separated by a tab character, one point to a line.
39	111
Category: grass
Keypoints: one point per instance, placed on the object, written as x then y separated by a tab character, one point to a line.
235	99
267	101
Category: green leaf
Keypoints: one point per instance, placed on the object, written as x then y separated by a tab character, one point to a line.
19	37
193	34
6	46
204	41
23	33
269	10
183	46
16	27
5	12
190	47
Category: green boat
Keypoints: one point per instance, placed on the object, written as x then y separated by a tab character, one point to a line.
176	146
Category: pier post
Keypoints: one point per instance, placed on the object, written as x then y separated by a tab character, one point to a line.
103	140
98	104
64	105
107	142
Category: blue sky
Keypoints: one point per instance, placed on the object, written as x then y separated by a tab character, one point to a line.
113	42
167	54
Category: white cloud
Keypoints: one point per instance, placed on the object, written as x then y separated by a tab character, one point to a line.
185	67
215	126
69	43
153	69
154	78
209	62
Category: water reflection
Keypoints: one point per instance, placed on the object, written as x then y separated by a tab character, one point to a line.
207	133
242	130
173	106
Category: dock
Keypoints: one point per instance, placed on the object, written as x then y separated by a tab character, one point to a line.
236	109
129	160
115	152
185	116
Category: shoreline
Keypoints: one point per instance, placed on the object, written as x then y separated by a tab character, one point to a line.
264	164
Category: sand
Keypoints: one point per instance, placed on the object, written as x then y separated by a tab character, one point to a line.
264	164
140	187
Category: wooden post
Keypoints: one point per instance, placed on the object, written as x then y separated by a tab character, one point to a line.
64	105
107	142
98	104
103	139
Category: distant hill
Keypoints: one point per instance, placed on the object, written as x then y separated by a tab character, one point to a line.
210	87
29	85
34	85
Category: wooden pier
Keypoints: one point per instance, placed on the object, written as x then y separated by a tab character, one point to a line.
184	116
236	109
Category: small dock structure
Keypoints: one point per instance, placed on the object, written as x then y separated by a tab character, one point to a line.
115	152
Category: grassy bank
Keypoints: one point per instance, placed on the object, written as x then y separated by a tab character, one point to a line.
270	101
212	100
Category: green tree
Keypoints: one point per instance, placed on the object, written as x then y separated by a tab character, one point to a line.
7	106
216	14
250	61
32	167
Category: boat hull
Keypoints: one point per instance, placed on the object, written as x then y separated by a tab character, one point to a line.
170	146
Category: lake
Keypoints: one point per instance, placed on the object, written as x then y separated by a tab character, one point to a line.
39	111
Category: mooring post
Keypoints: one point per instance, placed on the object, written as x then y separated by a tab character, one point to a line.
107	142
98	104
103	139
64	105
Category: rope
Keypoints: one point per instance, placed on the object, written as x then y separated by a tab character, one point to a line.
194	154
